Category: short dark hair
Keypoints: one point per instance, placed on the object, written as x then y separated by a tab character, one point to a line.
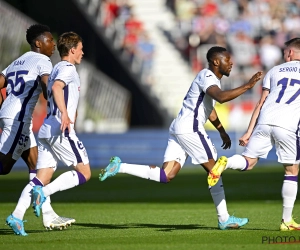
67	41
295	42
213	52
34	31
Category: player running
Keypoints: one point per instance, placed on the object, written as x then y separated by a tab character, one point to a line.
187	136
25	79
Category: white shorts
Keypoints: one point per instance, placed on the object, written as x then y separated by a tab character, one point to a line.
196	145
264	137
67	149
16	137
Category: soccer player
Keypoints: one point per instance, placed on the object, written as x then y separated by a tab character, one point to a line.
24	79
187	136
57	140
275	122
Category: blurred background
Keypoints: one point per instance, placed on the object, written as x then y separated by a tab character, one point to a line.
141	57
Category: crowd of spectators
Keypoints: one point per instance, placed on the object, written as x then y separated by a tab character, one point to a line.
254	31
129	36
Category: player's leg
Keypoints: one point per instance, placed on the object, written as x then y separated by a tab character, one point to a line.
171	169
174	159
63	182
67	180
25	198
288	152
289	194
149	172
72	153
200	148
259	145
225	221
50	218
202	151
30	156
235	162
14	220
217	191
241	162
6	163
11	146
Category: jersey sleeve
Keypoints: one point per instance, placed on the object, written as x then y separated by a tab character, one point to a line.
4	71
208	81
44	67
66	74
267	81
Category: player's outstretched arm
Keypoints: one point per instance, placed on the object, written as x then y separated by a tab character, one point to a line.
245	138
227	95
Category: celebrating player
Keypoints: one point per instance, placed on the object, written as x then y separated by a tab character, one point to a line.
187	136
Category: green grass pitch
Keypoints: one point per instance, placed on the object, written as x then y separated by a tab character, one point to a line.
127	212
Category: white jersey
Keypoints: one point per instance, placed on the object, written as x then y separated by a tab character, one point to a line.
197	106
23	85
282	105
65	72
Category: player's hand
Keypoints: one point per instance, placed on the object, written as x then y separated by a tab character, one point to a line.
65	122
243	141
255	78
226	140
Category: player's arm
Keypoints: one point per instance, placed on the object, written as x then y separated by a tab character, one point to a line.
44	83
3	84
227	95
214	119
58	95
76	114
245	138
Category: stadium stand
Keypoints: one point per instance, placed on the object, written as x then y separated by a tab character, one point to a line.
105	105
133	28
